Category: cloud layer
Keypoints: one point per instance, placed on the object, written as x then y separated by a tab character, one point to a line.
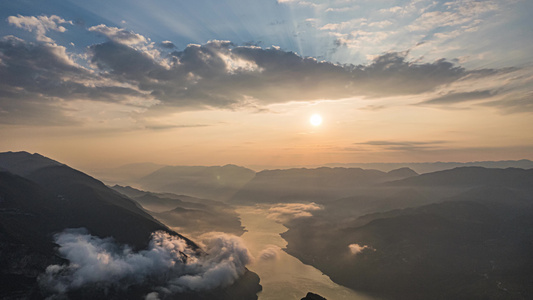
168	262
43	80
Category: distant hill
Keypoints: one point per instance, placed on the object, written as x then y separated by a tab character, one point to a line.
320	184
474	243
52	197
471	176
190	215
428	167
215	182
126	174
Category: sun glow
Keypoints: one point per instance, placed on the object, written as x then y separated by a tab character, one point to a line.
315	120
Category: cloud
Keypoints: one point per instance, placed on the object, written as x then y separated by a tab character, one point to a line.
513	104
124	62
342	9
173	126
40	25
168	263
404	145
298	2
120	35
356	248
373	107
38	80
127	69
288	211
394	9
269	253
221	75
152	296
459	97
168	45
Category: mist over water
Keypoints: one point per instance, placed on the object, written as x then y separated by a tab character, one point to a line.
282	275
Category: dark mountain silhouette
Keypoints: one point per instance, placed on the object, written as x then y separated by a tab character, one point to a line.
24	163
375	200
192	215
471	176
321	184
401	173
85	201
313	296
158	202
155	202
429	167
52	197
216	182
474	244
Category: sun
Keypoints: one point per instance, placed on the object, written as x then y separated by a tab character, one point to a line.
315	120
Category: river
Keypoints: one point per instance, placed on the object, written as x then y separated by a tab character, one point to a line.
283	276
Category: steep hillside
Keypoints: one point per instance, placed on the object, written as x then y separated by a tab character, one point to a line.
57	223
216	182
474	245
192	216
471	176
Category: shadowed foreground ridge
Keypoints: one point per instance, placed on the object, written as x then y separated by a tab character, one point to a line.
40	198
313	296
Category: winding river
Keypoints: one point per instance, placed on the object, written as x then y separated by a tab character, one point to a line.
282	275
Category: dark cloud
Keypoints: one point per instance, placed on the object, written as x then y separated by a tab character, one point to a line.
220	74
38	77
513	104
217	74
373	107
124	62
46	70
404	145
170	126
28	72
460	97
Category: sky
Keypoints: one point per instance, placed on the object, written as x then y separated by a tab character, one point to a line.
98	84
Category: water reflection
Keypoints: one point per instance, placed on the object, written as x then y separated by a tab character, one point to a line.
282	275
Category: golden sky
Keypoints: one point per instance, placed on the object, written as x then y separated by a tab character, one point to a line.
401	81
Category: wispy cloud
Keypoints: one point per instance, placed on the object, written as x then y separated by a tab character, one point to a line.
39	24
119	35
404	145
522	103
460	97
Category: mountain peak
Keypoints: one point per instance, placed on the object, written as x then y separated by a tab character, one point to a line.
23	163
403	172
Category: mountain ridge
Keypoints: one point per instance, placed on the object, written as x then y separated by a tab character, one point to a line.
54	202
